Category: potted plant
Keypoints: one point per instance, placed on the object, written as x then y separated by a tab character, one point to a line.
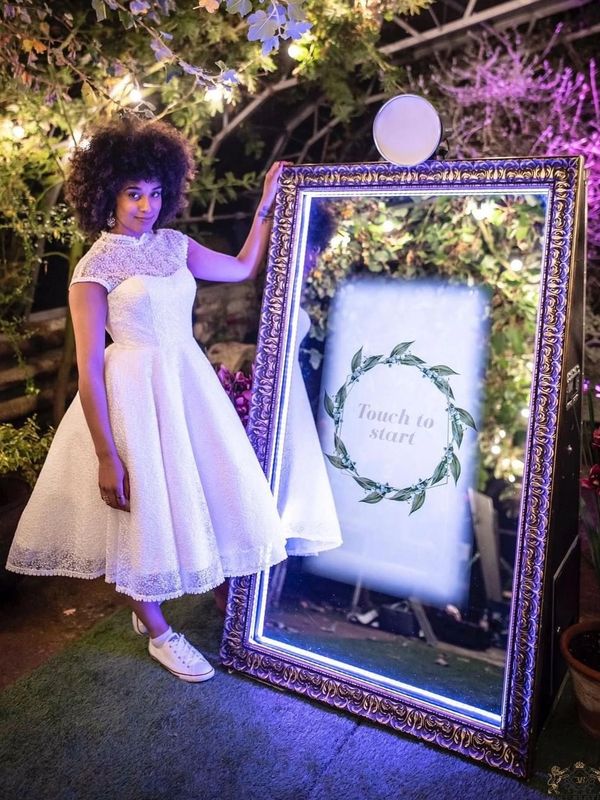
22	453
580	643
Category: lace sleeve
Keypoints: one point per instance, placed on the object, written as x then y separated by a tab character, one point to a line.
177	242
90	269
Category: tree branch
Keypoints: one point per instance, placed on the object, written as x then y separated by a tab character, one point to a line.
376	98
237	120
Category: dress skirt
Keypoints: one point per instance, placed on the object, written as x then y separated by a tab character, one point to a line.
201	507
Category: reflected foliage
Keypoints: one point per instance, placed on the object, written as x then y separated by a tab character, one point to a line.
493	241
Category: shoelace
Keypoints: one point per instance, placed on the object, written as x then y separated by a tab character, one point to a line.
183	650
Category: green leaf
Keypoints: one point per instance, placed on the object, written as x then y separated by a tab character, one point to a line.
412	361
328	403
365	483
417	502
263	26
241	7
339	445
440	472
100	9
522	232
403	494
374	497
356	359
126	20
400	348
442	369
466	418
443	385
371	362
457	433
335	461
455	468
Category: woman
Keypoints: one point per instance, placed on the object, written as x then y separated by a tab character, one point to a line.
150	479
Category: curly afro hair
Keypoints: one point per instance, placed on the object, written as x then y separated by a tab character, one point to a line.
125	149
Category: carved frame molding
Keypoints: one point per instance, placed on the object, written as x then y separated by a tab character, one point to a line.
508	748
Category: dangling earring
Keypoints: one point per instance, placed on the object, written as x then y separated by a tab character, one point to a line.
111	221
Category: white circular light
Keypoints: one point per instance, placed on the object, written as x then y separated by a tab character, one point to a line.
18	132
516	264
407	130
295	51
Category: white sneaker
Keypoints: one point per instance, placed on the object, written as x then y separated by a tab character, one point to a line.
181	659
138	625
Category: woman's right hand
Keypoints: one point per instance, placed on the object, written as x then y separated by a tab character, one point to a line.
113	481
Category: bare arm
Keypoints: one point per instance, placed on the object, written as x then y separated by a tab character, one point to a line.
209	265
88	305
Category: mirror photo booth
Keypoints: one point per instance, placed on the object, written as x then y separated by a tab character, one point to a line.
419	359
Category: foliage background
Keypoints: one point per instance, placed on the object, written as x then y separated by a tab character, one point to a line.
227	80
495	244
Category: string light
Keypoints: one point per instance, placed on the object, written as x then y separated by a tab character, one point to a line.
516	265
126	90
517	466
525	413
217	95
296	51
339	240
481	211
12	130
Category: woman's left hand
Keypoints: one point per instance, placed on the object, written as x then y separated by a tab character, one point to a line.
271	181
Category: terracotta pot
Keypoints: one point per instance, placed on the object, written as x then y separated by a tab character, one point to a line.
14	494
586	680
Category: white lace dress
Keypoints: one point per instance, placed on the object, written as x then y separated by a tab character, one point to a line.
201	508
305	498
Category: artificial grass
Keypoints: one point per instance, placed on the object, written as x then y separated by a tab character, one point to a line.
410	661
102	720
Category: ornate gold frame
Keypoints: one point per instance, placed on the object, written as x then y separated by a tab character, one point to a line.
508	748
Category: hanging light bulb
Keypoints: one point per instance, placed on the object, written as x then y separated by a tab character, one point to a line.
296	51
217	95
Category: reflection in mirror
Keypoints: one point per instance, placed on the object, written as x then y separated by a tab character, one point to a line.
408	386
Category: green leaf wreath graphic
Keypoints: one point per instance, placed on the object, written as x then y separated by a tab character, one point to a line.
458	420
